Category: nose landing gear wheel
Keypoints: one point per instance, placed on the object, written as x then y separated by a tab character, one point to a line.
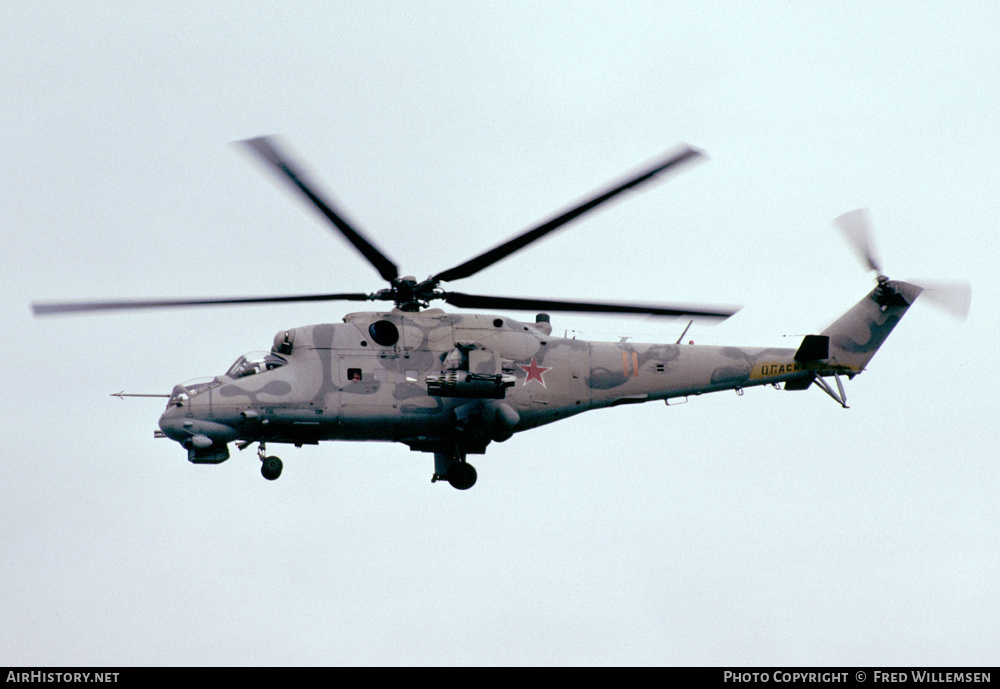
462	475
270	468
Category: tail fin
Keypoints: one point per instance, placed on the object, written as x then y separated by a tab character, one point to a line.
857	335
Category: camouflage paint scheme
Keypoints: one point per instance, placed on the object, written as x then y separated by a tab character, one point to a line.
312	398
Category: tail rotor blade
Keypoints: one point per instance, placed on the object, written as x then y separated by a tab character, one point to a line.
856	228
954	298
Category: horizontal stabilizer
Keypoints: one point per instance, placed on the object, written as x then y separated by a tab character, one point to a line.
813	348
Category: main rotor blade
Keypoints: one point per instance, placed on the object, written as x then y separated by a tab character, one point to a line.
50	308
266	148
520	241
476	301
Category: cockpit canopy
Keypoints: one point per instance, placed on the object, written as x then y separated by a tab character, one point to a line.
183	392
246	365
255	362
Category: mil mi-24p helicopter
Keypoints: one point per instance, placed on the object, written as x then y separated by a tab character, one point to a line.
450	384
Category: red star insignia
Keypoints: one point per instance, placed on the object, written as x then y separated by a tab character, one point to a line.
534	372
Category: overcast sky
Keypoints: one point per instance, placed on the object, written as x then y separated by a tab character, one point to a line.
770	529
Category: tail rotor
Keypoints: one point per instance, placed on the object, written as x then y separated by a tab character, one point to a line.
953	297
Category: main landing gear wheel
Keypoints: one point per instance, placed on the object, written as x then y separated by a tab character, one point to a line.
462	475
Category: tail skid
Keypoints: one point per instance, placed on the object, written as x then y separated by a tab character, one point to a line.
840	398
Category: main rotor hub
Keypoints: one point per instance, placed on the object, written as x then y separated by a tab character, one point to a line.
408	295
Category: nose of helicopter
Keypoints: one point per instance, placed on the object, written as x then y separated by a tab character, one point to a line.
194	432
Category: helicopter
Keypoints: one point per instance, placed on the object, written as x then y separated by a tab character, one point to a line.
450	384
